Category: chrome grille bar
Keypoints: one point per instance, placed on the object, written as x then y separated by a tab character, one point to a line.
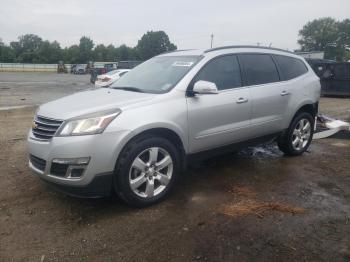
45	128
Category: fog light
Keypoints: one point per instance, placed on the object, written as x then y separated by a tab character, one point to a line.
71	168
77	172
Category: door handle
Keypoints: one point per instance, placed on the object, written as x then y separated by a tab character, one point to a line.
284	93
241	100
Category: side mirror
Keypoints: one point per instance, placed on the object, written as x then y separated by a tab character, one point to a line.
205	87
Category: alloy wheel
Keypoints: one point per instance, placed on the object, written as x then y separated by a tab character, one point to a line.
151	172
301	134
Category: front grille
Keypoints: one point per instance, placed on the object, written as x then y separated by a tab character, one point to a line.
37	162
45	128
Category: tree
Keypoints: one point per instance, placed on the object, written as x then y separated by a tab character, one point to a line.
71	54
49	52
7	55
31	48
344	42
100	53
153	43
111	53
27	47
125	53
85	49
328	35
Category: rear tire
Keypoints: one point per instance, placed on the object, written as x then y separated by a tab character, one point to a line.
146	171
297	138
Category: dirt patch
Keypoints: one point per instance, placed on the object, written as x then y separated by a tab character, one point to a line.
245	208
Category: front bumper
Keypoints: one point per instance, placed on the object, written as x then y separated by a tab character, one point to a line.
102	150
100	186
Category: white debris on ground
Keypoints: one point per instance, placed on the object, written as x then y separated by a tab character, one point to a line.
330	126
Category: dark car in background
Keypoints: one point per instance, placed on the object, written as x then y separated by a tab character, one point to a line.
334	76
128	64
107	67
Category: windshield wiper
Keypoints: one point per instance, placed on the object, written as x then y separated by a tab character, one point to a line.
129	88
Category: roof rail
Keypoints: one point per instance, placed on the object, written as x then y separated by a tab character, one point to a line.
246	46
174	51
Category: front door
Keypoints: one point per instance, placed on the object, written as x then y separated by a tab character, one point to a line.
219	119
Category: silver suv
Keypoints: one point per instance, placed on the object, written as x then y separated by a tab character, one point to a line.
136	137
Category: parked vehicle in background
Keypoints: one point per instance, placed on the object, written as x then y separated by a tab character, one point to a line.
127	64
103	67
335	76
61	68
110	67
72	67
110	77
96	72
79	69
136	136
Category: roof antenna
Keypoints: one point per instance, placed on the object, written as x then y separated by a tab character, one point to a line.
212	39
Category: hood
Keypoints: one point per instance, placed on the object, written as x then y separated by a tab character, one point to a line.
91	101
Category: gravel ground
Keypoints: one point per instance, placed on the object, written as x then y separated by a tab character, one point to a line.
253	205
25	89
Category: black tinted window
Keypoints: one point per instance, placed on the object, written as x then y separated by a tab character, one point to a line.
290	67
259	69
223	71
342	71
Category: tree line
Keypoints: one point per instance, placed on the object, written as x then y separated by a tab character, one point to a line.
31	48
328	35
323	34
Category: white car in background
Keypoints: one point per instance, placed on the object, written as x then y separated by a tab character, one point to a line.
110	77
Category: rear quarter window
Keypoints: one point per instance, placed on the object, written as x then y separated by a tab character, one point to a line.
342	71
290	67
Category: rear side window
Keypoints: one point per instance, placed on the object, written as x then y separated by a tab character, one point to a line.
341	71
259	69
224	71
290	67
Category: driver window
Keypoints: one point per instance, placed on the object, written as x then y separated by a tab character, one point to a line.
224	71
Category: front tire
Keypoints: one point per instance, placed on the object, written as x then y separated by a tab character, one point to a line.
297	138
146	171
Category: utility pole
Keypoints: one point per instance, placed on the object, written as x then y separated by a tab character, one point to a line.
212	39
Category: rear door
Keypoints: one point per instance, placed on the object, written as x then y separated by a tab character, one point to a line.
262	77
219	119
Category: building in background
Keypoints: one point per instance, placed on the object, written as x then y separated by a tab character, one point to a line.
312	54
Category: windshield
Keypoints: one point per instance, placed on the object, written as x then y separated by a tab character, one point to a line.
157	75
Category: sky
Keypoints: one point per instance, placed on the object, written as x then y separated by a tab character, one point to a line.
189	24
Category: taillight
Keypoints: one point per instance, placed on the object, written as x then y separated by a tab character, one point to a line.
106	79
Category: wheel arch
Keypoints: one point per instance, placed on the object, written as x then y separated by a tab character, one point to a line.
308	107
163	132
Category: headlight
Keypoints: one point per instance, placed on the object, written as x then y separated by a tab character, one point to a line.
88	124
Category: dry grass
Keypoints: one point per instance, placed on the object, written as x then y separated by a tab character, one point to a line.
247	207
244	191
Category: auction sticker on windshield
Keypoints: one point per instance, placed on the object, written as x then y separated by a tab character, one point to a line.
182	63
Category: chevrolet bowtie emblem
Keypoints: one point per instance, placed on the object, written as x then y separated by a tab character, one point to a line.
34	125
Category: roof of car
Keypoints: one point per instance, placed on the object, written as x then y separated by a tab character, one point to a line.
196	52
